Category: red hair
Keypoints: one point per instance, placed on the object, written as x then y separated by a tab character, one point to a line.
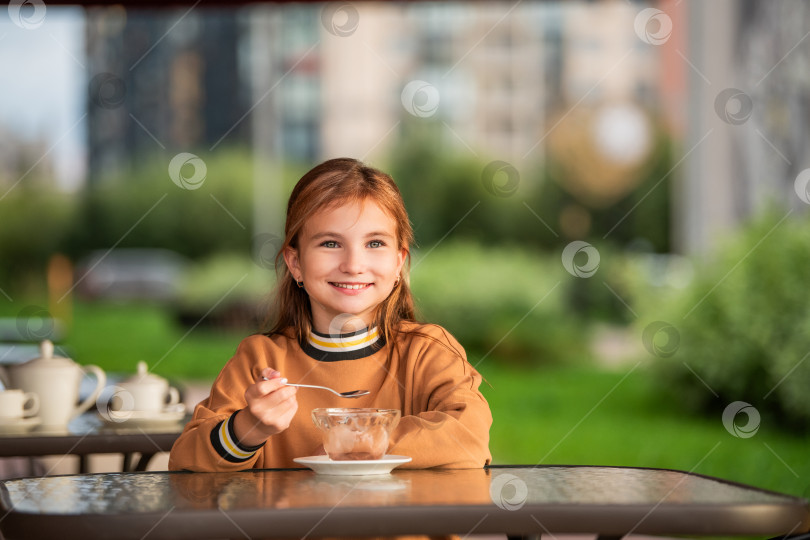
332	183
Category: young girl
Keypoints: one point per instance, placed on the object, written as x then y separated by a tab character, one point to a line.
343	318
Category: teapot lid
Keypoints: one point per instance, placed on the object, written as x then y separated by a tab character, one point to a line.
47	356
143	375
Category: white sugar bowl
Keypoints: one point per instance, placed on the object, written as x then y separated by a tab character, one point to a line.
145	392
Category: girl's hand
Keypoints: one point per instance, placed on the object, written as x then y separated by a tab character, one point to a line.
271	406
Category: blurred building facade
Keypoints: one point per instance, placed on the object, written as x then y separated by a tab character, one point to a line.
499	73
163	81
746	142
305	82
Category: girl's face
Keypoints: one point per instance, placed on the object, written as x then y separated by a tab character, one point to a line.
348	259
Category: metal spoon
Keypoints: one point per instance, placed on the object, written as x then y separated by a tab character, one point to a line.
350	394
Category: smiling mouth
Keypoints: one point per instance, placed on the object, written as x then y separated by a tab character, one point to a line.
351	286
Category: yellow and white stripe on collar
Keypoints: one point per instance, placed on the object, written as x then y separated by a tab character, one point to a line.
344	342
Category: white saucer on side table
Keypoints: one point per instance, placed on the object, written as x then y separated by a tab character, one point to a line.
16	426
144	419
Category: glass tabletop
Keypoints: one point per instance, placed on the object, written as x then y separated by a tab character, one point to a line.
290	502
155	492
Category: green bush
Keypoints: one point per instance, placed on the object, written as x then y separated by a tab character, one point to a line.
445	190
33	226
447	197
641	216
226	291
744	325
144	208
502	301
137	207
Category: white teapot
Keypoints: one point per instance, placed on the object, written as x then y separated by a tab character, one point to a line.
56	380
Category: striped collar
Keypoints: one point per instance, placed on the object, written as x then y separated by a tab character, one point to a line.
351	346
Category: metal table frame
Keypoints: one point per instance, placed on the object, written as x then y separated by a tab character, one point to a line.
86	436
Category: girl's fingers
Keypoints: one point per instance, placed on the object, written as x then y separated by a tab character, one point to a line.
274	411
288	406
272	392
270	401
271	385
269	375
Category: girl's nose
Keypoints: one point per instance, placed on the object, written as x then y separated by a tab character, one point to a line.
353	262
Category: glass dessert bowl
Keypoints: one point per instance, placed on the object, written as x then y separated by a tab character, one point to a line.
355	434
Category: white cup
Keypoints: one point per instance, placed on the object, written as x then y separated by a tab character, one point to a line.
16	404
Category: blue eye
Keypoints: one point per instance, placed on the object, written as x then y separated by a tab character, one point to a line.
376	244
329	244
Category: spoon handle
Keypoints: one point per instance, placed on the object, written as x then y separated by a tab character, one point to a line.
352	394
284	382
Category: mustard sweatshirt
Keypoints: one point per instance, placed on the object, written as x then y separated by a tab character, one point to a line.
445	419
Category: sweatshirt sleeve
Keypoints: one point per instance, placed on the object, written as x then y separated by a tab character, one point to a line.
208	442
450	420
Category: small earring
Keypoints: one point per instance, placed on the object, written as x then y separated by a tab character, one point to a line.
397	281
300	284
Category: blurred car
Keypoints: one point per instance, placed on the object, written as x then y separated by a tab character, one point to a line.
131	274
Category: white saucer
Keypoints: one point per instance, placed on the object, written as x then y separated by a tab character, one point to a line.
128	419
324	465
18	425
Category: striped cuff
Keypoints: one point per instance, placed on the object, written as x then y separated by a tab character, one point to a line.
225	443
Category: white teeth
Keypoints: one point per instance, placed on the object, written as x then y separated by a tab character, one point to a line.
348	286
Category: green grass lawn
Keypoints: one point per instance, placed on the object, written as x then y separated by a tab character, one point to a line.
116	337
553	415
586	415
